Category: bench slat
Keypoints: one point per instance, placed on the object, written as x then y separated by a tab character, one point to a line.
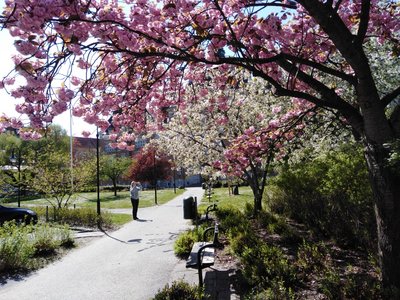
208	256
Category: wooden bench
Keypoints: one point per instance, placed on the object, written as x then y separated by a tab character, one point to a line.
202	254
205	217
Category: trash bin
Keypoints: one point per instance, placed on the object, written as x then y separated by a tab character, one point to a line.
189	208
236	190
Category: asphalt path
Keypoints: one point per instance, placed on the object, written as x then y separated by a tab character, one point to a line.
133	262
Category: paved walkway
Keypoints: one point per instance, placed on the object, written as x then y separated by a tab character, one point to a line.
131	263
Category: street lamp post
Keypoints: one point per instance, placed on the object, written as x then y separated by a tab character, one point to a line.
17	162
174	180
98	171
155	178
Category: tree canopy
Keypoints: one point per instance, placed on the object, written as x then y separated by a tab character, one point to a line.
135	58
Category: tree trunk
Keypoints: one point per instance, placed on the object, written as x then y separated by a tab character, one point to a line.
385	181
257	196
115	187
257	203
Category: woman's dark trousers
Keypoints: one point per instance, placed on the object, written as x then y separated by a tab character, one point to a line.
135	206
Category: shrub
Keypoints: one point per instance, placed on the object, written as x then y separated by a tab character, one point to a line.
331	194
185	241
277	291
47	238
179	290
311	258
16	249
330	285
86	217
262	264
21	244
362	287
119	188
232	220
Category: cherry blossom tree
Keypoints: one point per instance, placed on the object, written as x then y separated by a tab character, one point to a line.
138	57
204	138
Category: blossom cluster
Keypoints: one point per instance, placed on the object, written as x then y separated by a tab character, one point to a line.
135	59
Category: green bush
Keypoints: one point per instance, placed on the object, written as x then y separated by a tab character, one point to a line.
240	241
331	194
48	238
185	241
362	287
277	291
264	263
232	221
179	290
119	188
86	217
20	245
311	258
330	285
16	249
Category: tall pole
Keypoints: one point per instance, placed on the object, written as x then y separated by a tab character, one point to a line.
71	148
98	170
16	161
155	178
174	180
19	180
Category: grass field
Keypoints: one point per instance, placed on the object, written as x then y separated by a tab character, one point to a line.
224	198
108	200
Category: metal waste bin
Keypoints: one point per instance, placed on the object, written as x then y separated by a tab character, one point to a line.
236	190
189	208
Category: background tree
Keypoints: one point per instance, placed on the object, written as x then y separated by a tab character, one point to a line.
15	158
54	178
137	58
18	156
52	175
114	167
203	137
149	165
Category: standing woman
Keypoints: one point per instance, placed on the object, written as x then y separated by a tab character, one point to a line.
135	188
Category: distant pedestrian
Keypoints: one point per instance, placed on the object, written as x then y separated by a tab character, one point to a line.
134	190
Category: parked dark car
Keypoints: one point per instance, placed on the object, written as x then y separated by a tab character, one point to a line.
20	215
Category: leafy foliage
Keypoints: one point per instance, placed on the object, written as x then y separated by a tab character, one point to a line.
331	194
185	241
22	246
16	249
114	167
179	290
272	271
141	58
54	178
149	166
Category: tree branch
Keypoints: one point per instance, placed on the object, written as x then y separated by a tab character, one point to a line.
349	78
291	4
390	97
364	18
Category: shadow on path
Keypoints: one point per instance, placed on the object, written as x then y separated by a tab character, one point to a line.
218	284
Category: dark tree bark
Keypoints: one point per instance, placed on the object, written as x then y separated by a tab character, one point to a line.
375	129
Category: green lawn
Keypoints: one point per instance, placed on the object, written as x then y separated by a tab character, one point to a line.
225	199
108	200
122	200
